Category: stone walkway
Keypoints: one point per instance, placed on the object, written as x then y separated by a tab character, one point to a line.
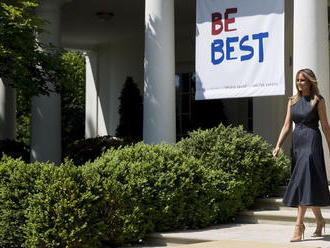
237	236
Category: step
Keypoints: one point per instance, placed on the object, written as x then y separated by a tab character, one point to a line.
286	217
275	203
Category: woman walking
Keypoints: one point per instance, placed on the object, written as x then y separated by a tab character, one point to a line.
308	186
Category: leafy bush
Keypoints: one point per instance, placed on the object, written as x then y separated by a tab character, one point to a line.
130	191
15	149
17	182
61	212
244	156
146	188
43	205
89	149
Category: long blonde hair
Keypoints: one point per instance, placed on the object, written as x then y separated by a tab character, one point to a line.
310	76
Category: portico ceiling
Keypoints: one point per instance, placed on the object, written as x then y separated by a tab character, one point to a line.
81	28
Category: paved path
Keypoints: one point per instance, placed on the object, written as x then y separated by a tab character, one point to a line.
238	244
238	236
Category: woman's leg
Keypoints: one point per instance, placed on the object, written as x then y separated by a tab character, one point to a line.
301	214
320	223
317	212
300	227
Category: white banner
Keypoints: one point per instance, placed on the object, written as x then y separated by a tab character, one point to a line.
239	48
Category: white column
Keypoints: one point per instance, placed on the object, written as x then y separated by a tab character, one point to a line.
311	48
46	110
7	111
159	72
91	117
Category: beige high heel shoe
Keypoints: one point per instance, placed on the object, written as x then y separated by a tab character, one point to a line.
298	234
320	224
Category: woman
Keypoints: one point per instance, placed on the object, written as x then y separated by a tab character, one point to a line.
308	186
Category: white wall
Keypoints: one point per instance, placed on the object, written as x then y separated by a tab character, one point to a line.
117	62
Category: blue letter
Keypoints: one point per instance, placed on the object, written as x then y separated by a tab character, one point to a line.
261	46
246	48
217	46
229	48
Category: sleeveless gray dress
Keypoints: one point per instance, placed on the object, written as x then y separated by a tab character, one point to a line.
308	185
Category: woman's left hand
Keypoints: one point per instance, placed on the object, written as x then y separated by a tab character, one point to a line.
275	152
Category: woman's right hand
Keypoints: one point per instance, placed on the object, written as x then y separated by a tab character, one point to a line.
275	152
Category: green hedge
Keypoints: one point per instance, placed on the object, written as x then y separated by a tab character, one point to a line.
244	156
61	212
17	183
43	205
150	187
131	191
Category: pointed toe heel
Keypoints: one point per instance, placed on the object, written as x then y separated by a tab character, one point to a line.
320	224
298	234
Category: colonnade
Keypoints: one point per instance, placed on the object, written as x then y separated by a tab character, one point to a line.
310	49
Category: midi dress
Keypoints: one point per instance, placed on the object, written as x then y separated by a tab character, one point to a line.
308	185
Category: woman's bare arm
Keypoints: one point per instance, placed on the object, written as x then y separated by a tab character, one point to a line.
285	130
321	109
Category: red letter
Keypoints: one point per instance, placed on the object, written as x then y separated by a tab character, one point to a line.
229	20
216	21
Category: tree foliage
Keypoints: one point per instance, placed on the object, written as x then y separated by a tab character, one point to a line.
27	63
35	68
72	102
73	97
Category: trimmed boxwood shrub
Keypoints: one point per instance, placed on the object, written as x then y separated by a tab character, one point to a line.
17	182
43	205
61	212
244	156
147	188
130	191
